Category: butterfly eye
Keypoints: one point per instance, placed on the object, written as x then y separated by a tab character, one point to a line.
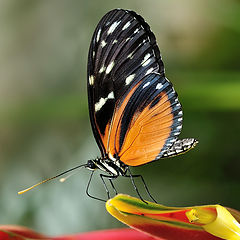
91	165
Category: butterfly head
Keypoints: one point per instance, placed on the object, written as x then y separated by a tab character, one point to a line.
91	165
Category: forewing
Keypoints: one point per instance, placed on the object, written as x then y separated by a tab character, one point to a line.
146	122
122	51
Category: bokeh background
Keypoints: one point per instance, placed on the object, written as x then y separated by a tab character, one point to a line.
44	123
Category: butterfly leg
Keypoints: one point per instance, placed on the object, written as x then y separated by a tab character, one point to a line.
110	178
144	184
87	189
114	189
134	185
104	184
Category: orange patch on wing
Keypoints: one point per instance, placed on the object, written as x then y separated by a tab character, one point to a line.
147	134
113	143
105	136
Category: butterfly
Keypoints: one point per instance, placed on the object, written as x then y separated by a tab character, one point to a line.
135	113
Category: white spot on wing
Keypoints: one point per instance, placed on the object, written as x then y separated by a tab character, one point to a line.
99	104
98	35
102	69
159	86
91	79
103	43
110	95
146	84
149	71
130	55
179	127
115	41
129	78
126	25
146	57
113	27
146	63
180	119
136	31
109	67
146	60
102	101
180	113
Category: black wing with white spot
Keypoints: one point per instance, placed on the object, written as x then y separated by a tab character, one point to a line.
134	109
122	51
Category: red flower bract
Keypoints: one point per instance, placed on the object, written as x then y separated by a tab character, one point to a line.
114	234
208	222
12	232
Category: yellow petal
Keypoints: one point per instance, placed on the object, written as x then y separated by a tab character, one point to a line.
220	223
224	226
202	215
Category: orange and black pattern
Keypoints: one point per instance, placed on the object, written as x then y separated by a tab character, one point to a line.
134	110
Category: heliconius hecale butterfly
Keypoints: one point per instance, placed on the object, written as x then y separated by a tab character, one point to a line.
134	110
135	114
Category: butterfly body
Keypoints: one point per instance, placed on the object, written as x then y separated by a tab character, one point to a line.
109	166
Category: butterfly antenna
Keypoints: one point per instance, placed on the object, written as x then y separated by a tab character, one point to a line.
49	179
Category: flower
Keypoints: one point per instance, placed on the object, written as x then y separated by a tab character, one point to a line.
209	222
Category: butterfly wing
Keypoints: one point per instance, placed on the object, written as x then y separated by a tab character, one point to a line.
179	147
134	110
146	122
122	51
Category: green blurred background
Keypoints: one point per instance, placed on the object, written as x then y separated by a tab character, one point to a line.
45	127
